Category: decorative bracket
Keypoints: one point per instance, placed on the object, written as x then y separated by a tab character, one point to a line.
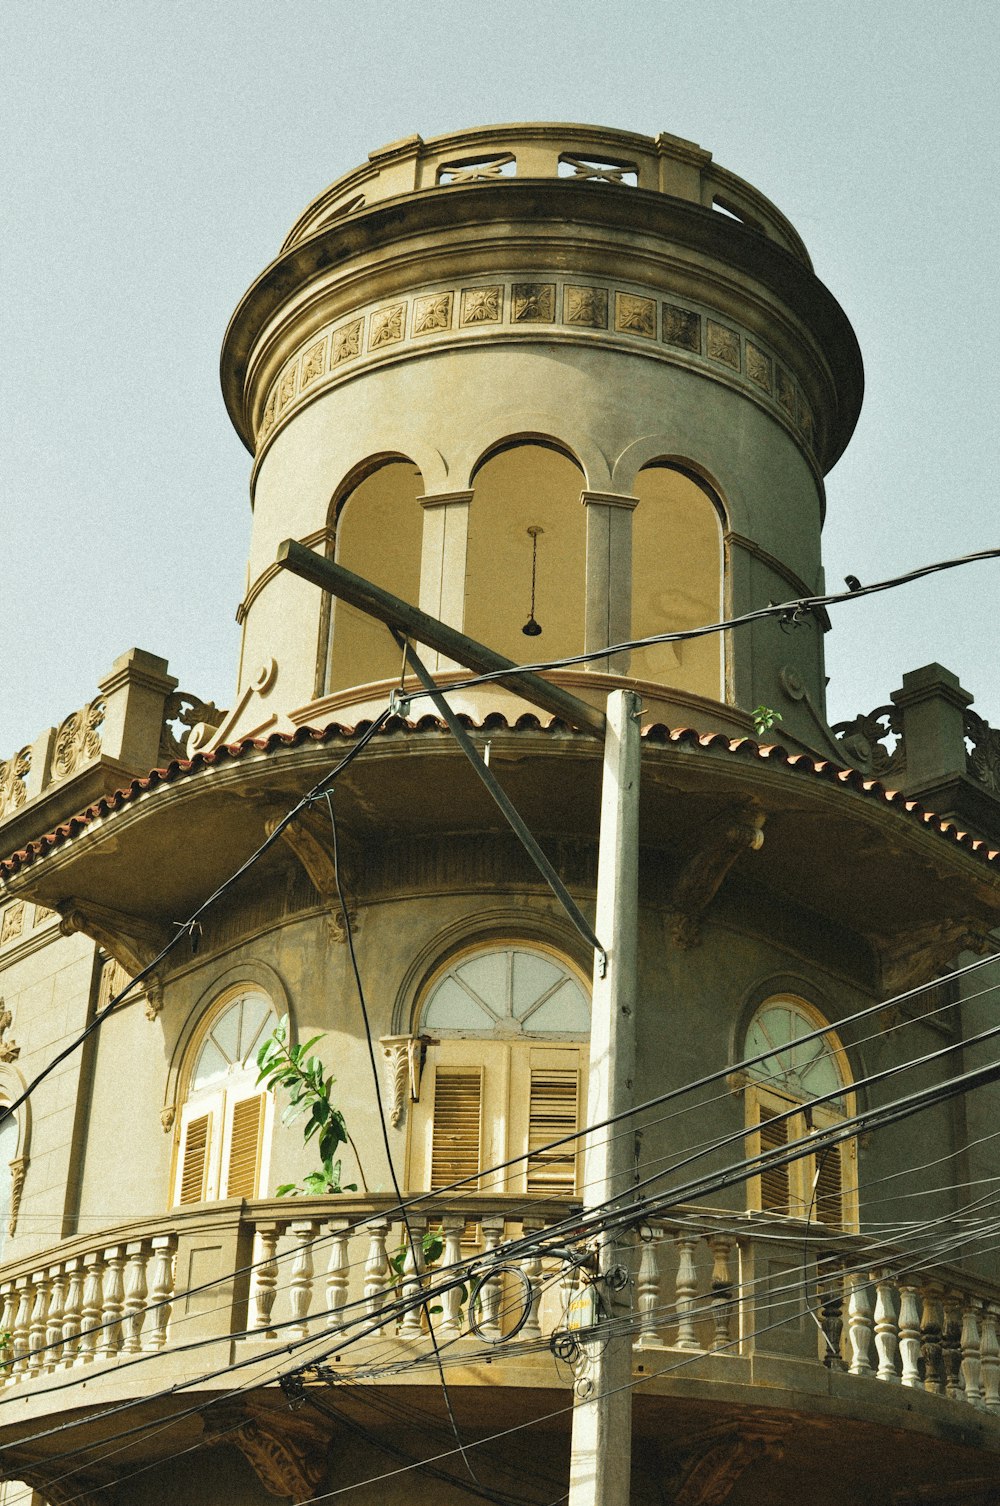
132	941
714	1462
926	951
310	839
9	1049
736	830
403	1056
285	1453
18	1172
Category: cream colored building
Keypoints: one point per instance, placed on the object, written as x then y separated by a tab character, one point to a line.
584	381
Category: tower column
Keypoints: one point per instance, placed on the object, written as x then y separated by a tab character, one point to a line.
609	575
442	561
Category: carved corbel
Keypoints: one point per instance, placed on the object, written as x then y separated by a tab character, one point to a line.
310	839
75	1486
710	1468
288	1457
926	952
403	1058
9	1049
131	940
734	831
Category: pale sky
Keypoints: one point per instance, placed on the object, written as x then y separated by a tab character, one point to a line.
154	156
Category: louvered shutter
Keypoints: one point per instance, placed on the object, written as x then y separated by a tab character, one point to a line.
192	1175
457	1125
552	1113
243	1157
775	1191
828	1199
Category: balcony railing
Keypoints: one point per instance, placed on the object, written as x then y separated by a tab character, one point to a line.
704	1286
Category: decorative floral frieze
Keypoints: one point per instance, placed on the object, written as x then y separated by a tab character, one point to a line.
570	304
532	302
432	313
482	305
635	315
12	923
723	344
681	327
78	740
386	326
13	788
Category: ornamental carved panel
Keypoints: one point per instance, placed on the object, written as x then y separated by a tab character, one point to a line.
347	342
681	327
387	326
78	740
758	366
313	363
723	344
533	302
586	306
482	305
432	313
635	315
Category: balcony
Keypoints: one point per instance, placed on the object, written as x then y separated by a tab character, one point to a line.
743	1309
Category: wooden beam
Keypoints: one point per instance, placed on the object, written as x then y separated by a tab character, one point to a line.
412	623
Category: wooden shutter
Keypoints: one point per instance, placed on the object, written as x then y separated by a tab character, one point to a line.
828	1201
775	1191
192	1173
552	1113
456	1129
243	1160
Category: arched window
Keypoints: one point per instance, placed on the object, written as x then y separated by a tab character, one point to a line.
788	1083
524	487
378	531
677	569
225	1121
504	1074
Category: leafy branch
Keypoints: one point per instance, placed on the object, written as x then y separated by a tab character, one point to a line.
764	719
308	1085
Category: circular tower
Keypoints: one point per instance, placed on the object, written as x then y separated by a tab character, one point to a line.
548	379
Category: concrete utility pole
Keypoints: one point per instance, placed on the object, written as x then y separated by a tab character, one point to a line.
600	1465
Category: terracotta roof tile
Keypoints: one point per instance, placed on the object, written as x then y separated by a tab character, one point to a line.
658	733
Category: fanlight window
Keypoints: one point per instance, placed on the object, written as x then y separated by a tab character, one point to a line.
782	1108
504	1074
509	992
225	1123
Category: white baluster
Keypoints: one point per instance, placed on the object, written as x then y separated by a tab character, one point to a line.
134	1305
971	1361
451	1300
721	1246
952	1345
71	1311
161	1290
531	1265
886	1340
37	1330
412	1283
648	1287
337	1270
264	1283
304	1232
490	1316
859	1323
989	1352
377	1270
909	1332
53	1328
931	1333
22	1324
110	1338
687	1290
7	1327
93	1305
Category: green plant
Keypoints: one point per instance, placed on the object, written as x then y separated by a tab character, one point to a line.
764	719
308	1085
6	1341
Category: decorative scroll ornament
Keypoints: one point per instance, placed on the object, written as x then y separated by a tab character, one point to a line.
983	756
873	742
18	1171
712	1464
167	1117
926	951
78	740
9	1049
734	831
185	712
13	789
73	1488
403	1058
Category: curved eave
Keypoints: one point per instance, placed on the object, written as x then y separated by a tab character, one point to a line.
837	845
561	201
